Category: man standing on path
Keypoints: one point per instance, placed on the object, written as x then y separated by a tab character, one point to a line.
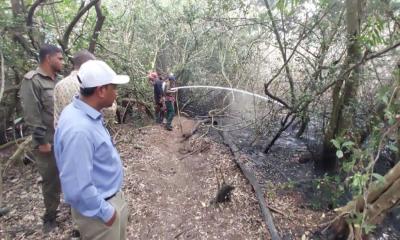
90	167
170	100
156	82
37	101
67	88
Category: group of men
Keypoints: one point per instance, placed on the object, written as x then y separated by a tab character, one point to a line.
72	147
164	98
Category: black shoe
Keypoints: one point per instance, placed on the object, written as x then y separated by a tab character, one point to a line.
49	225
169	128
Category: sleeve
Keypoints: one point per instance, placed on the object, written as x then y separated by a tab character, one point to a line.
30	95
57	104
76	176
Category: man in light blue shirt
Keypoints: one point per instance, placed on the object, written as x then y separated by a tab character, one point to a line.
89	165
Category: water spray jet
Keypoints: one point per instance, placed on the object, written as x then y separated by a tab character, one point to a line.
230	89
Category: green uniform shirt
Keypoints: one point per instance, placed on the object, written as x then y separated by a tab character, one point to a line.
37	102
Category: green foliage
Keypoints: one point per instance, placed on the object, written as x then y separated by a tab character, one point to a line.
287	6
342	145
327	192
373	34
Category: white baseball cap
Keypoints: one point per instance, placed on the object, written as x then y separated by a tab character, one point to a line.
95	73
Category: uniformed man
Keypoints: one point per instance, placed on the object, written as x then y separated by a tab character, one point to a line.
169	100
37	101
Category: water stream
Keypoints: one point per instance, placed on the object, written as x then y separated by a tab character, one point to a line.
233	90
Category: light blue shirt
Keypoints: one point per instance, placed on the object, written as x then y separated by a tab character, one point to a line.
88	163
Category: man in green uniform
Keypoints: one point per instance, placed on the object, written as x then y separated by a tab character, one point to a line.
37	101
169	100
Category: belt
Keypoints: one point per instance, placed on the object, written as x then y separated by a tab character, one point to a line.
108	198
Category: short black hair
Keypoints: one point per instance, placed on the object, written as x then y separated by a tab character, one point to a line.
87	92
47	49
81	57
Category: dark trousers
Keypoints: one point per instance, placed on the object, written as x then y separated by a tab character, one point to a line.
51	187
159	112
170	113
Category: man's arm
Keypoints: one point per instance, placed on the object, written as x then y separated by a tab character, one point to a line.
31	105
75	175
57	104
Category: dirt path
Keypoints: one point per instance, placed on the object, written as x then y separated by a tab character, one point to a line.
168	195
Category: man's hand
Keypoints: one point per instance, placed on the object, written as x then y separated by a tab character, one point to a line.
111	221
45	148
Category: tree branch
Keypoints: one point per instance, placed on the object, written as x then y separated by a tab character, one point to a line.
97	27
29	22
2	75
381	52
64	41
269	94
283	52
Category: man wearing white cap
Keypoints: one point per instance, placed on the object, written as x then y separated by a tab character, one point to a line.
90	168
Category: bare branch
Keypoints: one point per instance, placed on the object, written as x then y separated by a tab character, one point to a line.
31	12
383	51
269	94
2	75
64	41
282	49
29	22
97	27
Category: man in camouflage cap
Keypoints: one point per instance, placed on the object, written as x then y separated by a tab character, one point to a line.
67	88
37	101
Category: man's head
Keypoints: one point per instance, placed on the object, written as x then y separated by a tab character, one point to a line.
51	58
81	57
99	83
152	77
171	78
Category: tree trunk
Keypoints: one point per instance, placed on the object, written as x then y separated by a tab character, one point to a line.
344	95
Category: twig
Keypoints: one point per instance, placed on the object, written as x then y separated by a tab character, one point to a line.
194	152
179	112
2	75
276	210
116	134
20	150
9	144
182	232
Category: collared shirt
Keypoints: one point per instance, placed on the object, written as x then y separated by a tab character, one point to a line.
36	94
89	165
66	89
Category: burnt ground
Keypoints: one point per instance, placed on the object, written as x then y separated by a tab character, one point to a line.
169	184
